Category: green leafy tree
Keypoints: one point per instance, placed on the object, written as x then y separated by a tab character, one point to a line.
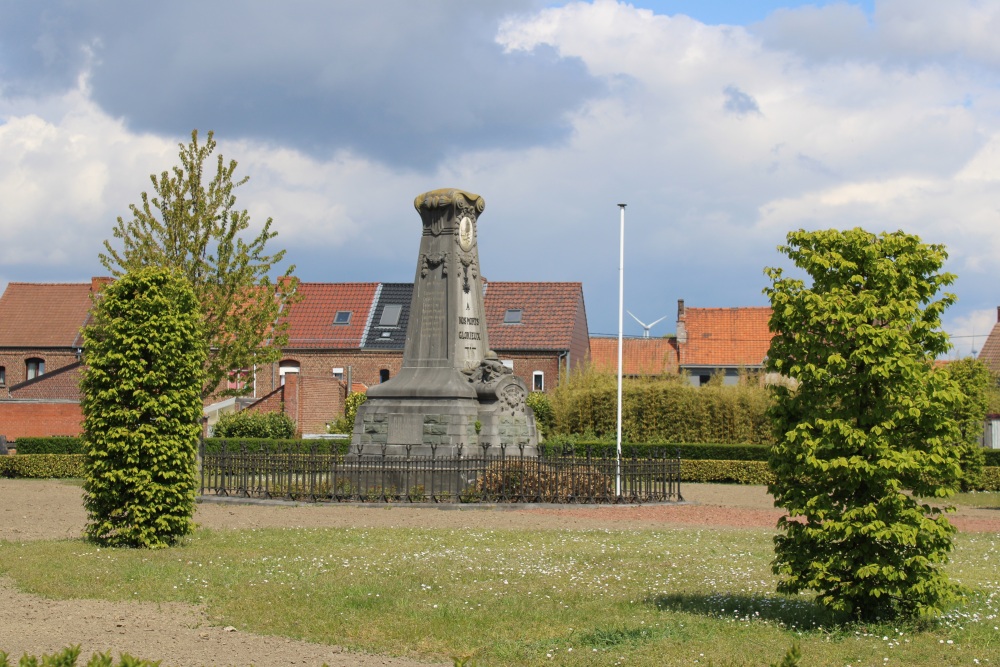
869	420
195	227
976	382
144	356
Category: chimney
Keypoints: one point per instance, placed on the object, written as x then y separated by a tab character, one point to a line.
998	313
681	329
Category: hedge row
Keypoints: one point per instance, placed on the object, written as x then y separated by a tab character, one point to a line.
663	410
721	452
60	444
68	657
42	465
296	446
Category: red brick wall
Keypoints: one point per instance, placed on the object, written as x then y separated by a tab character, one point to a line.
62	384
35	419
13	362
310	401
365	366
526	363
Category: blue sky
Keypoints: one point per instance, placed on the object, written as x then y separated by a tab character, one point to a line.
723	125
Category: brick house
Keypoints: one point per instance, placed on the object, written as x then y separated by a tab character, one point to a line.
708	341
721	340
340	335
40	348
641	357
990	353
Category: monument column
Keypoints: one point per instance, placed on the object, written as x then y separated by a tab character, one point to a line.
452	393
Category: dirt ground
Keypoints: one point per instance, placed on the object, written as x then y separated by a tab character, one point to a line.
47	509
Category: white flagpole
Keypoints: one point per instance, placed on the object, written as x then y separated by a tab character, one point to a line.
621	307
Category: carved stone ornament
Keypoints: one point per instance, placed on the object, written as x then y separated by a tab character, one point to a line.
466	235
429	262
513	396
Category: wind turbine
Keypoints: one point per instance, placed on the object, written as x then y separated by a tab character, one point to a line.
646	327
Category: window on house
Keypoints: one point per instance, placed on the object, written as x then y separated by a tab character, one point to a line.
237	380
538	381
342	317
34	368
338	373
3	376
508	363
383	375
512	316
390	315
286	367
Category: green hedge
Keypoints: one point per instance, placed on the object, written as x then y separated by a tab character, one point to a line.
721	452
42	465
295	446
726	472
62	444
991	457
663	410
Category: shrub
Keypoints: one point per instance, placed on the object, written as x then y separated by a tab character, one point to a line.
317	446
542	407
535	480
45	466
63	444
345	424
68	657
246	424
142	410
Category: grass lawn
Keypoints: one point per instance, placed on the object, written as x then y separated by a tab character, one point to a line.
529	597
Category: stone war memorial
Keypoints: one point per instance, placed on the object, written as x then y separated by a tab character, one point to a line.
452	396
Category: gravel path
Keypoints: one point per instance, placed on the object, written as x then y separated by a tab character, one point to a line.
48	509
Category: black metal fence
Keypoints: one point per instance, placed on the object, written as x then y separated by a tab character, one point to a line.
490	477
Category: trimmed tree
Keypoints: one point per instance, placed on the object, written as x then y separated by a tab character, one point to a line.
144	354
869	421
975	380
194	227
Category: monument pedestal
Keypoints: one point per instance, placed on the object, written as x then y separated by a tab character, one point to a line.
452	396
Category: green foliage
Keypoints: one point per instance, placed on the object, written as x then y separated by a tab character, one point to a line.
870	419
143	372
68	657
542	407
246	424
568	445
975	380
704	471
661	410
791	658
194	227
54	445
291	446
345	424
42	466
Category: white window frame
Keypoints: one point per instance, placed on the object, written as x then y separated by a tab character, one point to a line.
538	381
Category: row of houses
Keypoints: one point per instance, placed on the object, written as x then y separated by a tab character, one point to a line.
349	336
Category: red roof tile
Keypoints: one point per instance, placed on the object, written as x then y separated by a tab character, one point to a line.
549	313
640	356
725	336
43	314
311	320
990	354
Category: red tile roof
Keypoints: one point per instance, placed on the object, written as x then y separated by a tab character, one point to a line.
640	356
990	354
43	314
311	319
725	336
549	313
